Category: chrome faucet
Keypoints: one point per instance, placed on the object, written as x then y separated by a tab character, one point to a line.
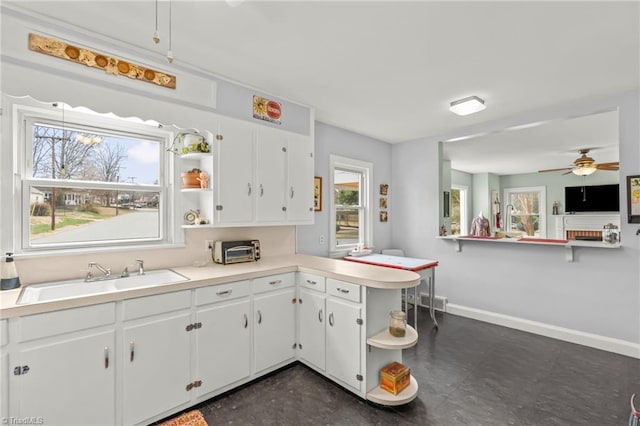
105	271
140	266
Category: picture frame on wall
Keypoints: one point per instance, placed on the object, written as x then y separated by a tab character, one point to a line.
633	199
317	193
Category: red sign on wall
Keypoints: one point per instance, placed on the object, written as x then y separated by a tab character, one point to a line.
265	109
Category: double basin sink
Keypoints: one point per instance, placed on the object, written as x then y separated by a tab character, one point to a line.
71	289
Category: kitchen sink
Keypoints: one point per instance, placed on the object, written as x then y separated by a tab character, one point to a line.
71	289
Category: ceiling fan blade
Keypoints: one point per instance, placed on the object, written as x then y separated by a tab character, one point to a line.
607	166
569	172
555	170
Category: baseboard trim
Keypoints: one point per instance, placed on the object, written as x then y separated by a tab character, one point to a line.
609	344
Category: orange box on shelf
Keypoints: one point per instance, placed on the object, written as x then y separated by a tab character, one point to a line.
395	377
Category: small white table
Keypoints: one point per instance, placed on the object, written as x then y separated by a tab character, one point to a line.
424	267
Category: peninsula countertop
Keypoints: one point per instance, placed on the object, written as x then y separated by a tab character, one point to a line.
212	274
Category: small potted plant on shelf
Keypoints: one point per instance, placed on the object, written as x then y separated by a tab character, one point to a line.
190	178
186	142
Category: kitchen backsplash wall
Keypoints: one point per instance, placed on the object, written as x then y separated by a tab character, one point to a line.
274	241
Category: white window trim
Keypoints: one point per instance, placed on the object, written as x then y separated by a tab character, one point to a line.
464	209
542	203
23	113
366	168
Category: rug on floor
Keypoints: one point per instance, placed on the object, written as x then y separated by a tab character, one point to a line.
192	418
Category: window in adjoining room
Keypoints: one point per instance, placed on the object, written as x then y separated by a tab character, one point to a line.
525	211
459	216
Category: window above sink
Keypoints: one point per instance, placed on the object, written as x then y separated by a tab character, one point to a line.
87	180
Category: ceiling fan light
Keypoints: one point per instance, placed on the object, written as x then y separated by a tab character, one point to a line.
467	106
584	171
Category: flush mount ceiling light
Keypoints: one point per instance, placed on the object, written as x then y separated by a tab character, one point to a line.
467	106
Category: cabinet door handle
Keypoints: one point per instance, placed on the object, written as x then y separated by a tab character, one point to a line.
249	189
261	190
106	357
343	290
331	319
132	351
275	282
224	293
311	282
320	315
291	192
246	320
259	317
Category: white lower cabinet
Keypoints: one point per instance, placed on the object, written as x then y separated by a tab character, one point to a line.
66	377
223	344
312	318
274	328
344	338
138	360
156	355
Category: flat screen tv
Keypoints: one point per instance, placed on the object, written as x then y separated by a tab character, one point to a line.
592	198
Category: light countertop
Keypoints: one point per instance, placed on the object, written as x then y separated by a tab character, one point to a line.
212	274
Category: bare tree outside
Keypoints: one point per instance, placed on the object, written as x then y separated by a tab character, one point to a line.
526	205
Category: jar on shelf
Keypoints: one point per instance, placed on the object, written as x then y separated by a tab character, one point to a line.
610	234
397	323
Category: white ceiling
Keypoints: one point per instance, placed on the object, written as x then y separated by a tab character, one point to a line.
388	69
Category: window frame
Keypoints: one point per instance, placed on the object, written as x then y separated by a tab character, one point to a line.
542	208
82	118
464	208
365	169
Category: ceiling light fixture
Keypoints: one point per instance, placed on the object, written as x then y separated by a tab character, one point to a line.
170	53
584	170
156	34
467	106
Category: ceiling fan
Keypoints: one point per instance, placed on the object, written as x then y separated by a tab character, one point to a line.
585	165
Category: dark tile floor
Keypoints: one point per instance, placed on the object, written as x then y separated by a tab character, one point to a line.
469	373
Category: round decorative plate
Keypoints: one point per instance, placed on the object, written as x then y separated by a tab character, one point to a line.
72	52
101	61
190	217
149	75
123	67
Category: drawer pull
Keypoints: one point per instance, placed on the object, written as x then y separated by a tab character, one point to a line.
106	357
275	282
320	316
246	320
331	319
259	317
132	351
311	282
224	293
343	290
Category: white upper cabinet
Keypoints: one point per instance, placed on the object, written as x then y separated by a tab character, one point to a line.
264	176
271	175
234	186
300	179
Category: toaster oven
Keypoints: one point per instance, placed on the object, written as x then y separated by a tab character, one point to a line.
227	252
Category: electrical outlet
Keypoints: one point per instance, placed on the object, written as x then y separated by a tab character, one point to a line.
208	245
321	240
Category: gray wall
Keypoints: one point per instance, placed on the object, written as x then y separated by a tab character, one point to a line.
332	140
529	282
